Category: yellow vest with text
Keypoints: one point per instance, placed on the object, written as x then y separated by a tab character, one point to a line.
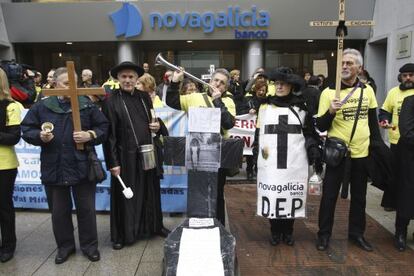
344	119
392	104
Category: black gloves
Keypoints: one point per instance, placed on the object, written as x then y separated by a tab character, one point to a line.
315	157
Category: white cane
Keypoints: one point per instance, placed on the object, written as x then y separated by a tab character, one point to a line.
128	193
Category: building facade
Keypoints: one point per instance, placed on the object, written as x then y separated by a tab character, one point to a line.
242	34
390	43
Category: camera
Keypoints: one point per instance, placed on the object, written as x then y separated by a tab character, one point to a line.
14	70
21	81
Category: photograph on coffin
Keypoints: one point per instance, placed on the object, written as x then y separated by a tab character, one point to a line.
203	151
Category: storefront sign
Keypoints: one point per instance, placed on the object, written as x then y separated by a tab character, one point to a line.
128	21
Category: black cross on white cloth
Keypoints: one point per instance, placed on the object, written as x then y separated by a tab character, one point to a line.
282	130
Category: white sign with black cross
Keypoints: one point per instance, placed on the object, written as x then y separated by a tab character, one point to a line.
282	164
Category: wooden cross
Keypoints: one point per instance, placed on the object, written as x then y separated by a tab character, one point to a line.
341	31
73	91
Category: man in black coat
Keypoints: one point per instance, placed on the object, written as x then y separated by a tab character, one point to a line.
405	192
131	126
64	169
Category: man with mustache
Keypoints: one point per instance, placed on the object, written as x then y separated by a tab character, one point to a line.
389	116
337	116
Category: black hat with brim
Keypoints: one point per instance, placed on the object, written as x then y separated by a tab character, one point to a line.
407	68
295	80
126	65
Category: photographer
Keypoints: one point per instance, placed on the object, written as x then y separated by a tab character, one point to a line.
21	80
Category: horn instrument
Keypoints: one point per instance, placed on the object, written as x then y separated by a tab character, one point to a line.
159	60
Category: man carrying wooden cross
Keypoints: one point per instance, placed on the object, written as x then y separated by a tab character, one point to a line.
350	117
64	169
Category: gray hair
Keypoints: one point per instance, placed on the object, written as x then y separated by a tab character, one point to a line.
61	71
87	71
357	54
223	72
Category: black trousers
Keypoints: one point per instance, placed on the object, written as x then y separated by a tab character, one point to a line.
389	199
220	211
249	163
60	205
401	224
7	215
281	226
331	186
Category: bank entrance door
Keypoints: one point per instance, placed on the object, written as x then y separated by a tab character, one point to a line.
198	63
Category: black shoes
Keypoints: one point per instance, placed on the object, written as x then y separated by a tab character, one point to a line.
361	243
322	243
117	246
286	238
400	242
63	255
275	239
249	176
163	232
93	256
6	256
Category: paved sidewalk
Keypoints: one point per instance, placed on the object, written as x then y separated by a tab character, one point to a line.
36	247
257	257
36	250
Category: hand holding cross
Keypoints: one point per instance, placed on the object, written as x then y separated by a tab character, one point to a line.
341	32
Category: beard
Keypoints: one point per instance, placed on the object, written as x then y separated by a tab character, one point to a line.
345	75
406	85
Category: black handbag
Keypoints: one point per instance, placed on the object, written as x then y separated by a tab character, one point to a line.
334	151
96	172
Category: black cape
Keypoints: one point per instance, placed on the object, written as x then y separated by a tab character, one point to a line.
405	193
140	216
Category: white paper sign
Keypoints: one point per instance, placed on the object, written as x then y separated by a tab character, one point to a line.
201	119
200	222
320	67
282	164
200	253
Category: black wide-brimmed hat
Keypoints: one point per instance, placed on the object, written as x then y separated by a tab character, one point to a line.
126	65
285	74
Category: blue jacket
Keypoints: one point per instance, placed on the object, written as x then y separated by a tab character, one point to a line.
61	162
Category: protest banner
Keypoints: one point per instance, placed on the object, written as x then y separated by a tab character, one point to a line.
29	193
244	128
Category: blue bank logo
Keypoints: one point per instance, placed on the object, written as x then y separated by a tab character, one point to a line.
247	24
127	21
233	17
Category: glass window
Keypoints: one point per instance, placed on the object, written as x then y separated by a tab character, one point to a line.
300	54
